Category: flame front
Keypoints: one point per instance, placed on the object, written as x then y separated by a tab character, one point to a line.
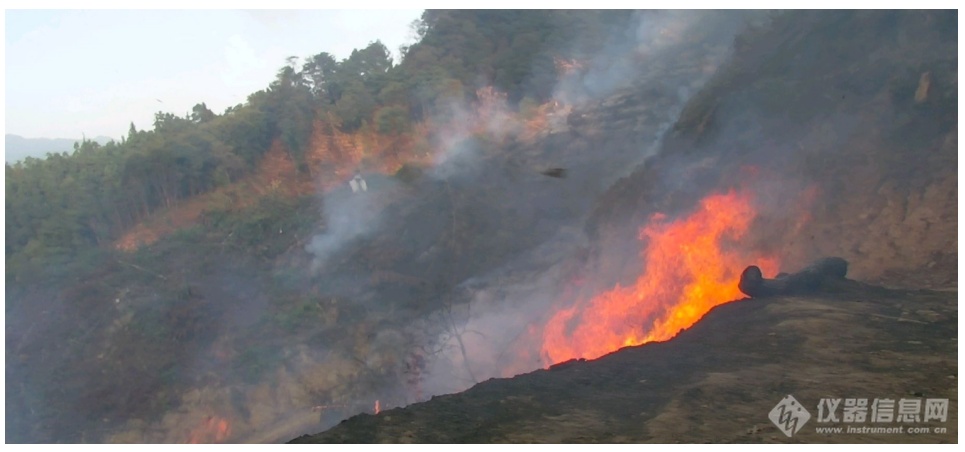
689	266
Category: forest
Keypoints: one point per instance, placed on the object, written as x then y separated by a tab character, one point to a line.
72	204
86	304
211	277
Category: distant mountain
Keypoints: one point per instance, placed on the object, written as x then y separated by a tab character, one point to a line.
17	148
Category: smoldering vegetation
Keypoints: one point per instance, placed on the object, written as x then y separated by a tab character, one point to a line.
439	277
348	215
652	43
425	284
498	242
806	118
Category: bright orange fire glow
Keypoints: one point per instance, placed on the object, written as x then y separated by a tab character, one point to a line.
214	429
377	407
689	266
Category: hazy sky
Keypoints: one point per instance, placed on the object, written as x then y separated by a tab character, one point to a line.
93	72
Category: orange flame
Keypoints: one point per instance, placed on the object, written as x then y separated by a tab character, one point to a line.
688	269
377	408
214	429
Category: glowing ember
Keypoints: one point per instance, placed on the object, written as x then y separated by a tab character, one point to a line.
565	66
214	429
688	269
318	408
546	118
377	408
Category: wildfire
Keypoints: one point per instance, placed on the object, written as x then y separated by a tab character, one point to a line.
568	66
213	429
377	407
318	408
688	268
544	119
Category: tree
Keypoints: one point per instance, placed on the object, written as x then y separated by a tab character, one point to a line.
355	105
392	120
393	93
319	72
246	131
289	103
368	63
200	114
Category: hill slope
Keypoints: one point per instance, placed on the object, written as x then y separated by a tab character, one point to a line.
271	316
294	303
713	383
857	107
845	126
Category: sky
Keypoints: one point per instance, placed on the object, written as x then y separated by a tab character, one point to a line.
73	73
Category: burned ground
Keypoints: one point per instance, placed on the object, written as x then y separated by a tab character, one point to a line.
715	382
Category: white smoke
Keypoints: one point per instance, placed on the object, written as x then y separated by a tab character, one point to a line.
497	324
348	215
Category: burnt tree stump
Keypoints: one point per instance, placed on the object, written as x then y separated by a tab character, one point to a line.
809	280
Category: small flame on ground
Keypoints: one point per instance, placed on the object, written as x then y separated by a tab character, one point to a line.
213	429
688	268
377	407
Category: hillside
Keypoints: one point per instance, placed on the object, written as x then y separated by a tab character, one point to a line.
532	198
714	383
843	128
858	111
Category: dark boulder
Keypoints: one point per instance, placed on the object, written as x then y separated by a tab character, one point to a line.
809	280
